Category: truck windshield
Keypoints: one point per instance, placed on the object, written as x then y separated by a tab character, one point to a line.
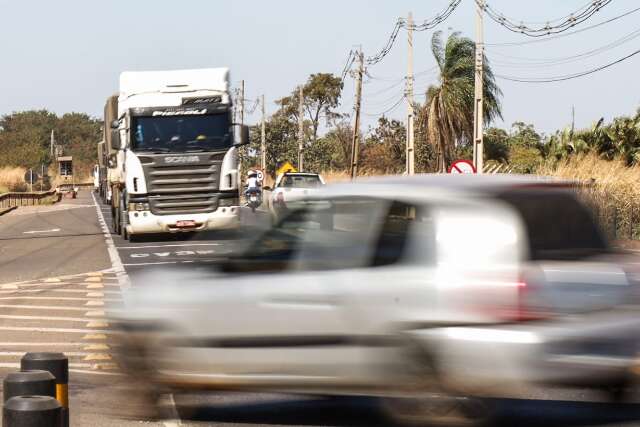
181	133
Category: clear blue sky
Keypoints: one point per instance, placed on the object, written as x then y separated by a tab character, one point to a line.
66	55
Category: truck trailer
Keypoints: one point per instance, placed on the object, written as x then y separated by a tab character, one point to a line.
174	152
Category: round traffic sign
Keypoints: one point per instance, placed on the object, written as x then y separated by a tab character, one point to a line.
462	167
260	176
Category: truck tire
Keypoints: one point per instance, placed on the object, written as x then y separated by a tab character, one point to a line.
123	218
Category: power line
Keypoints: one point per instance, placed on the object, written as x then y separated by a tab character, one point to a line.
395	106
565	24
541	62
402	23
559	36
347	67
569	76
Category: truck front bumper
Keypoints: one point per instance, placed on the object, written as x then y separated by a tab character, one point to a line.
146	222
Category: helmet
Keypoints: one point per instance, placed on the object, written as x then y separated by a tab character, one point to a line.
252	174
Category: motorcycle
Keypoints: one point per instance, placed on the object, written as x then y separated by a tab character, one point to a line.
254	198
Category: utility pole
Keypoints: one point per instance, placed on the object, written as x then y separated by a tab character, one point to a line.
242	102
478	128
53	144
355	146
410	155
263	139
301	130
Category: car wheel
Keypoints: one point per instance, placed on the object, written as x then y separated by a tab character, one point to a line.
436	410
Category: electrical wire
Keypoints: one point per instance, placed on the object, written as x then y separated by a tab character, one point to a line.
426	25
347	67
569	76
545	63
396	105
576	18
559	36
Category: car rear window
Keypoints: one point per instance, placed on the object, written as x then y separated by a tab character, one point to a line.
300	181
558	226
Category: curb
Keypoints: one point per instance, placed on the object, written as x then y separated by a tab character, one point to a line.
7	210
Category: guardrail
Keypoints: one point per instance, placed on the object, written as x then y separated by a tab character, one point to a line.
10	200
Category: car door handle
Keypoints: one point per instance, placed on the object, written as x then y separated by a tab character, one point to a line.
304	300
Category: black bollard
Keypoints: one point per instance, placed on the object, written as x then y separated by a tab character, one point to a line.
29	383
58	365
32	411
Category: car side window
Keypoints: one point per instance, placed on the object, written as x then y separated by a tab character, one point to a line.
341	234
395	243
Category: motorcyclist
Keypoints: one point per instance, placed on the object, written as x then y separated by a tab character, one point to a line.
253	183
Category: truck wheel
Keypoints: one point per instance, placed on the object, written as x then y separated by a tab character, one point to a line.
123	219
115	219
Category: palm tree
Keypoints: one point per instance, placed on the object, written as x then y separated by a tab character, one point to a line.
450	104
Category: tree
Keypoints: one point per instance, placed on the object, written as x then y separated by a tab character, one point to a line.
450	104
322	93
496	145
384	149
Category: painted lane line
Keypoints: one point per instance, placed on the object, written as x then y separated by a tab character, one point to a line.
57	285
98	313
96	337
97	325
60	291
93	279
42	344
95	303
95	295
96	347
57	279
53	230
47	318
94	357
62	330
48	307
169	246
71	365
66	353
116	263
22	297
12	287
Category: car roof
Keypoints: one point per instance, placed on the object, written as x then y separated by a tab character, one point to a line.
445	185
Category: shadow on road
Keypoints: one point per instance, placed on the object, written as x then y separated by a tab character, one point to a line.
365	412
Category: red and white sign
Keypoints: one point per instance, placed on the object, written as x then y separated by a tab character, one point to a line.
462	167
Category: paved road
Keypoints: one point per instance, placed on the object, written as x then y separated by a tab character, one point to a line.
46	241
58	277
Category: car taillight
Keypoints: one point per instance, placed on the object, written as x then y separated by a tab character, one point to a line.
526	307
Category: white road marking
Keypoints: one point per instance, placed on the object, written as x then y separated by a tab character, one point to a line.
47	307
116	262
22	297
48	318
62	330
169	246
176	422
42	344
168	262
71	365
66	353
63	291
53	230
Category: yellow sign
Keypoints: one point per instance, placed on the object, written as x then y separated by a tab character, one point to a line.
285	168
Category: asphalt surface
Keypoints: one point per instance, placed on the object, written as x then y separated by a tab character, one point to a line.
57	279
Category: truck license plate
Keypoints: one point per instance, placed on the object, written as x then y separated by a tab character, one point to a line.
185	224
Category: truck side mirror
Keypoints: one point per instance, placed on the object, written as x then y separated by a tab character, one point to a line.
243	138
115	139
115	124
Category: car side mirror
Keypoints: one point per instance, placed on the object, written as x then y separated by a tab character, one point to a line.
115	124
116	144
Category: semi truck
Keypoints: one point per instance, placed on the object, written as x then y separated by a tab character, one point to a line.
173	165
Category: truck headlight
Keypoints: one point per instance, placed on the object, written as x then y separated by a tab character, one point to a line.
138	207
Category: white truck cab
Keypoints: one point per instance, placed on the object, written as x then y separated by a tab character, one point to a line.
177	152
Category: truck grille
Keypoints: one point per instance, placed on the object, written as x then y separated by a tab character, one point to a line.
183	188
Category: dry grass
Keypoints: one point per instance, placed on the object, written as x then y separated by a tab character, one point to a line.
12	179
334	176
615	193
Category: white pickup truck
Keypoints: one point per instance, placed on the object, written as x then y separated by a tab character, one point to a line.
291	188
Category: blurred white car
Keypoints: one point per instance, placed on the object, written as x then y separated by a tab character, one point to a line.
292	188
462	286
